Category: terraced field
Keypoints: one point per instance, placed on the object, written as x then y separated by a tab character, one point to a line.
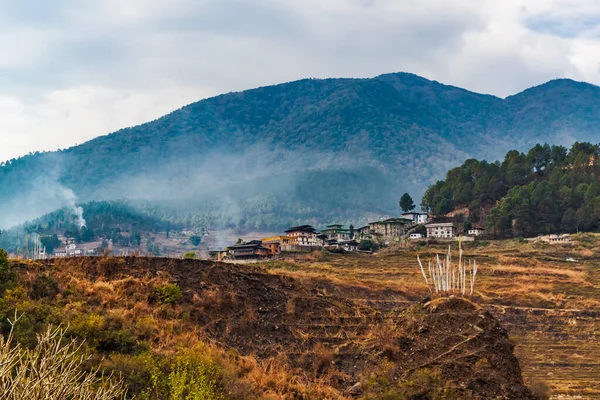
550	306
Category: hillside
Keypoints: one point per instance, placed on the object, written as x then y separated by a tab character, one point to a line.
247	333
549	305
549	189
333	149
115	221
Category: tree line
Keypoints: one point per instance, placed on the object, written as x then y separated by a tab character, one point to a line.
549	189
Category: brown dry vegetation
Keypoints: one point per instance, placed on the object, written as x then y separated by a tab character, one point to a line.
308	329
549	305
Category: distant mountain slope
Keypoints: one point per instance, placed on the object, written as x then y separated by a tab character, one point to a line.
390	134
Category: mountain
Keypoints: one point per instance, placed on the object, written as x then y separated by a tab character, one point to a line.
333	150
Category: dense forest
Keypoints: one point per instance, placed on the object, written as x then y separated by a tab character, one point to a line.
549	189
390	134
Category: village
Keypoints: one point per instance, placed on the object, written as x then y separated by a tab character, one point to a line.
416	227
412	226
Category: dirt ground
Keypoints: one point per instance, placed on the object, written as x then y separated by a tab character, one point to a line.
550	306
323	329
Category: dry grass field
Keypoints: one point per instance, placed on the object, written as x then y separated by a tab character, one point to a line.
310	326
550	306
247	333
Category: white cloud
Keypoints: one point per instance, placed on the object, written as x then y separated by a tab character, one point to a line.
77	69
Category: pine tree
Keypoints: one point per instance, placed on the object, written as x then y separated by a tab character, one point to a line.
406	203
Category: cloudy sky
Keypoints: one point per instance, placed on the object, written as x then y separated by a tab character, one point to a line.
71	70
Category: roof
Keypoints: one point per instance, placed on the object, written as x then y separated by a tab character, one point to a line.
390	221
302	228
441	225
479	228
247	246
414	213
335	226
274	239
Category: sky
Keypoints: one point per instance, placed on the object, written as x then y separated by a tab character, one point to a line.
71	70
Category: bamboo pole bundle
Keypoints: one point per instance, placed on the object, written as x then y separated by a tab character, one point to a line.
442	276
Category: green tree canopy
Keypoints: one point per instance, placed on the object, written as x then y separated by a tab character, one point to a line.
547	190
406	203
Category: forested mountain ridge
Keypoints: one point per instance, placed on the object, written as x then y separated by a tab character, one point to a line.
547	190
372	139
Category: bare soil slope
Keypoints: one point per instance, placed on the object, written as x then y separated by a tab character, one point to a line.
445	347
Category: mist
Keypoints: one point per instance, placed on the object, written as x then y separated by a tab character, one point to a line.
223	182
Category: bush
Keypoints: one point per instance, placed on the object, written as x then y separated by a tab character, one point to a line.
44	286
367	245
88	327
35	317
3	259
119	341
168	294
190	376
7	276
190	255
52	370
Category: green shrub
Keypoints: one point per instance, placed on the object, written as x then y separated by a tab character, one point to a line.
190	255
3	259
367	245
120	341
7	275
168	294
35	315
191	375
88	327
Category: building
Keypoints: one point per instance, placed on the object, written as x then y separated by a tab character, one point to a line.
363	233
476	231
60	253
338	232
441	230
564	238
248	251
416	217
389	230
217	255
415	236
305	235
277	244
347	245
70	251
